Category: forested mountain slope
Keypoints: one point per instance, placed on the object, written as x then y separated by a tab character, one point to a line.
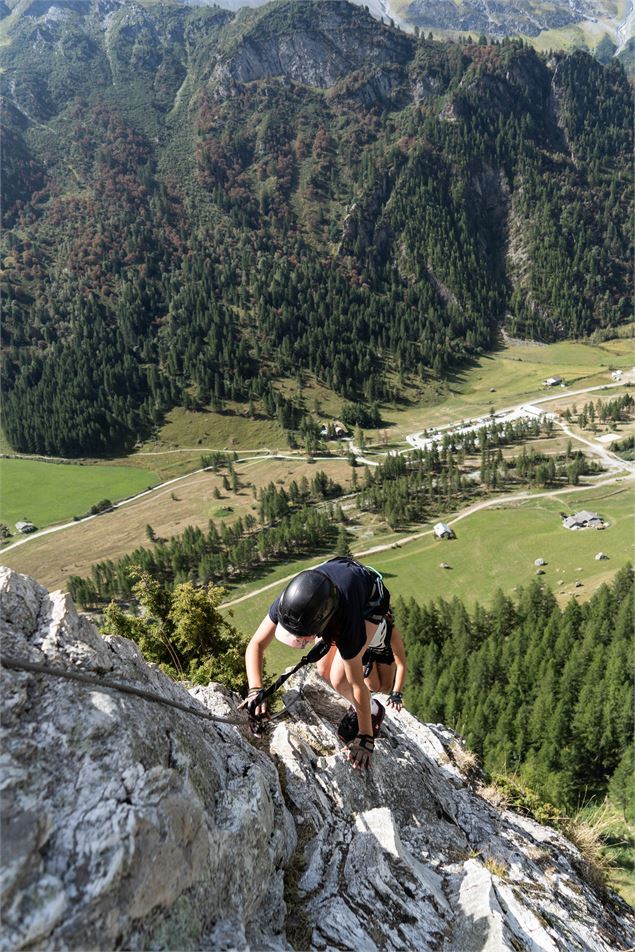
198	202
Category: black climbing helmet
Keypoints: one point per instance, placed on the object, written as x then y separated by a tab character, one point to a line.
308	603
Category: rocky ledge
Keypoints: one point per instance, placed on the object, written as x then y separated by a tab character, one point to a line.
129	824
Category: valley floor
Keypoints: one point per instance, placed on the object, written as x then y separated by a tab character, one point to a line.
507	526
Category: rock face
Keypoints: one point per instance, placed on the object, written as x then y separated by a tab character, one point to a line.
126	824
497	17
330	41
129	824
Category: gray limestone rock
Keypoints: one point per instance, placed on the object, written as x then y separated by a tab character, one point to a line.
412	856
129	824
125	823
333	42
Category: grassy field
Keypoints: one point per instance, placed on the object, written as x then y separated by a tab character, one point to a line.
45	493
186	435
496	548
191	501
585	33
515	372
618	852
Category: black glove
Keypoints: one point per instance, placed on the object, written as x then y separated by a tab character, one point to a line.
359	751
256	706
395	699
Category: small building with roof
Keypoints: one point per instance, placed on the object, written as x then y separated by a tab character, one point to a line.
25	527
552	381
584	520
442	531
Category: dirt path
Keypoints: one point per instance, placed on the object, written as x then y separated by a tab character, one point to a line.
611	460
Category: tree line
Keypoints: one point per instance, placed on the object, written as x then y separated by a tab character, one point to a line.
536	690
229	553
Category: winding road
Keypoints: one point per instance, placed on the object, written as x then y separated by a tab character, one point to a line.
463	514
611	461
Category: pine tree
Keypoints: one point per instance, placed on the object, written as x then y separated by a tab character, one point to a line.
342	546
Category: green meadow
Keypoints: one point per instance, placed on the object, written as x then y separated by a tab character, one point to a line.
495	548
511	374
45	493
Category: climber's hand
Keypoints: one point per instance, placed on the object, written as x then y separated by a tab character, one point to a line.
395	700
256	706
359	751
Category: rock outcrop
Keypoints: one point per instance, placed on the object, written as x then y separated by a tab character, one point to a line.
129	824
317	45
497	18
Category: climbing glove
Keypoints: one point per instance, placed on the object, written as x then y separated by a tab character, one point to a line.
359	751
255	707
395	699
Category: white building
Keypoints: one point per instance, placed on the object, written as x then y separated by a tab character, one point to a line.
552	381
25	527
616	375
442	531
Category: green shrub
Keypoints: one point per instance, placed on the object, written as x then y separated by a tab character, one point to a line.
183	632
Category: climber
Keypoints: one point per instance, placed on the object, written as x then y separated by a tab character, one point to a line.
346	604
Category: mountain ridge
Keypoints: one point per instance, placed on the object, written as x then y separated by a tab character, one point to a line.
378	206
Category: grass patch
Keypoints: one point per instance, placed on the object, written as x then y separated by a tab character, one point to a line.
190	501
207	430
516	373
495	548
45	493
495	867
584	33
607	842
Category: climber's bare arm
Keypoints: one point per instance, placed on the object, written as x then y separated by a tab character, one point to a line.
254	655
398	650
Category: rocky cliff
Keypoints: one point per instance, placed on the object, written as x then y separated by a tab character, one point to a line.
316	45
129	824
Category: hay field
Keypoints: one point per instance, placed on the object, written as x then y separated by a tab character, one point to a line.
52	558
44	493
